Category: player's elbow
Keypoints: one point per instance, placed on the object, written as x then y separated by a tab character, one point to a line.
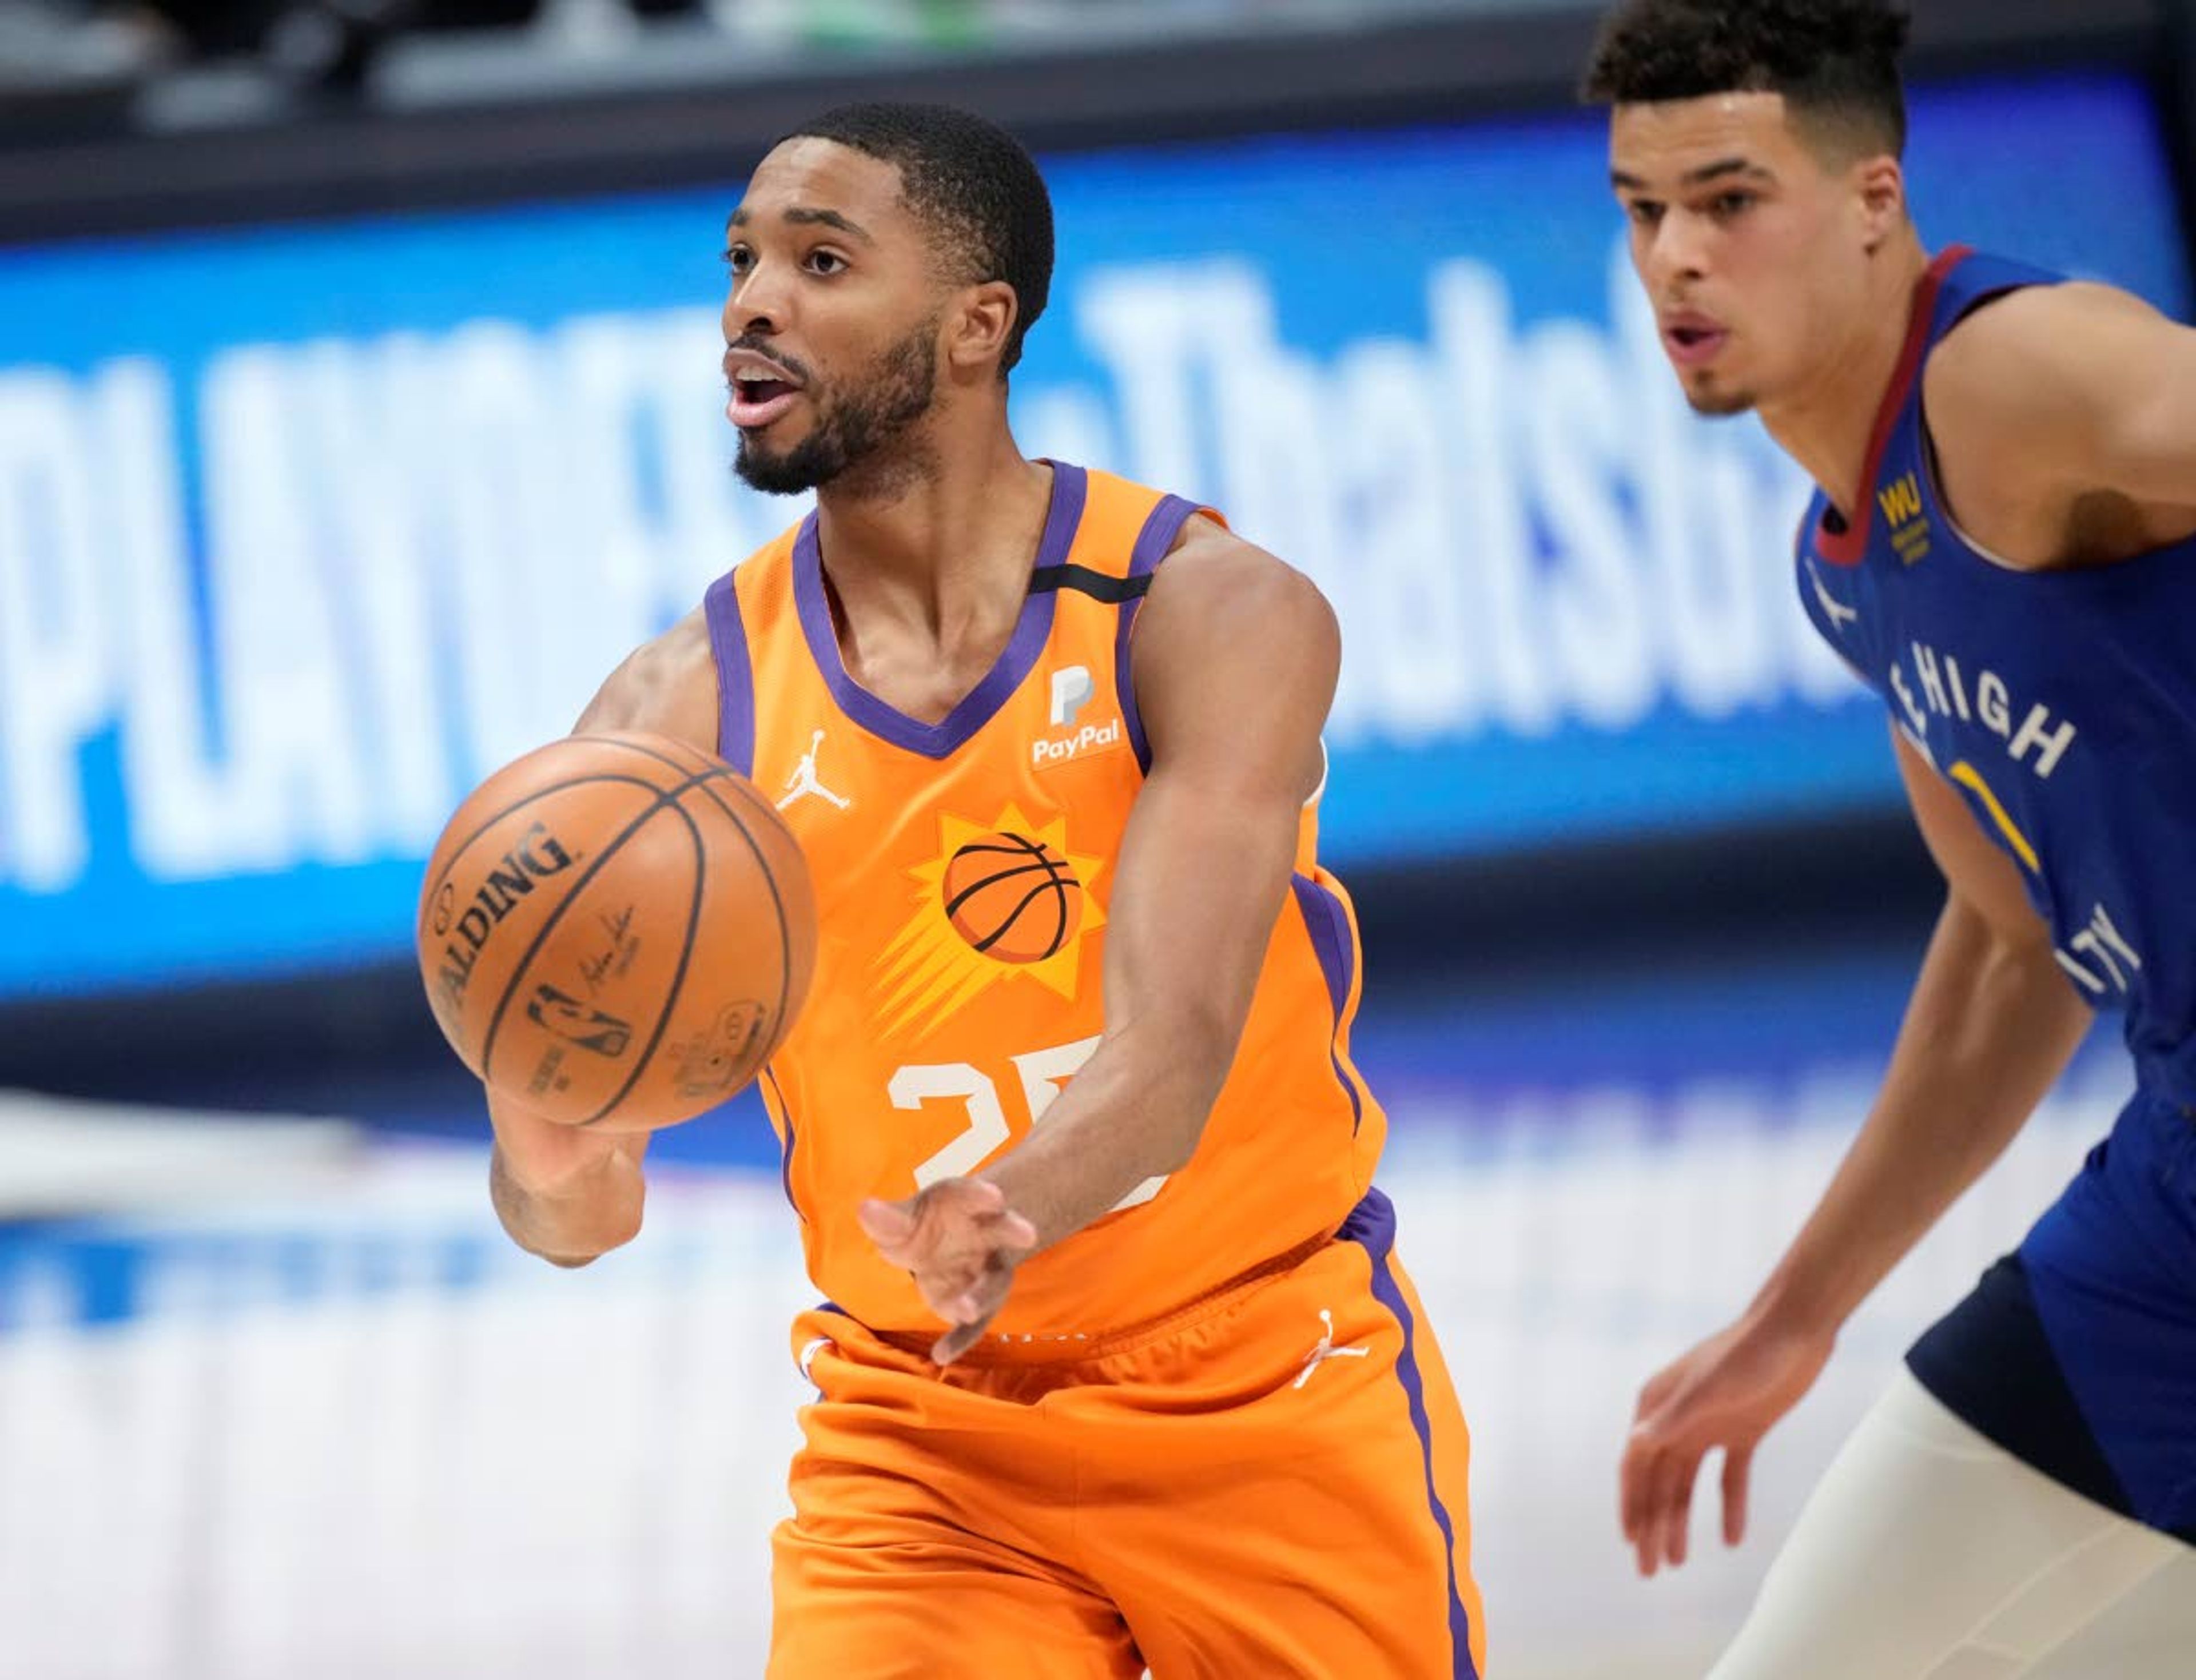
578	1245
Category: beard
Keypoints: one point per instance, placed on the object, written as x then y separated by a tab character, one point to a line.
854	431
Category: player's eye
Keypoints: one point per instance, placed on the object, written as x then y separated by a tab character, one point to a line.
823	261
1724	205
739	259
1644	213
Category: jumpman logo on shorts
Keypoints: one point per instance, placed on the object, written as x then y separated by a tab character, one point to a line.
1325	1350
803	782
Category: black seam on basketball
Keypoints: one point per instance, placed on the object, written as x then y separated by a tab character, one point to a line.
663	798
1001	932
466	844
679	975
740	784
975	887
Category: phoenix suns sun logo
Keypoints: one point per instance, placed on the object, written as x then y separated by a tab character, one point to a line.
999	900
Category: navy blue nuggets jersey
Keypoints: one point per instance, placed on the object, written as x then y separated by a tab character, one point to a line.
2062	704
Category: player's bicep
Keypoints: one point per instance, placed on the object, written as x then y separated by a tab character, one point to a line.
667	686
1235	666
1975	870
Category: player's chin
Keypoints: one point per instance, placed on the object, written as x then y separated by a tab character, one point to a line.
1718	398
773	468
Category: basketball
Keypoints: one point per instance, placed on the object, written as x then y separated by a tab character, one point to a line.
1012	899
616	930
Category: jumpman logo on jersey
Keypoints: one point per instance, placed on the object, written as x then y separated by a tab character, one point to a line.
1325	1350
804	782
1839	613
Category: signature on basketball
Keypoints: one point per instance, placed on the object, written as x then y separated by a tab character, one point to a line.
612	964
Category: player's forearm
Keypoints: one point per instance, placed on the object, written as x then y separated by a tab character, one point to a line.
1133	1112
1991	1024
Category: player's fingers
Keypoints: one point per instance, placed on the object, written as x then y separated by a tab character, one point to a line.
1738	1469
890	1225
1640	1515
956	1341
1634	1476
1010	1230
1673	1499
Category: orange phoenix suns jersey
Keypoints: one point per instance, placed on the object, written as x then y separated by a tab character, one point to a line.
964	872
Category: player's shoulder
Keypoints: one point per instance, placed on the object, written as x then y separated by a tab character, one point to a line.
667	686
1211	571
1220	600
2023	350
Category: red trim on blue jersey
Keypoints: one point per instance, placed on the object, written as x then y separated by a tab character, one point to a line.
1845	547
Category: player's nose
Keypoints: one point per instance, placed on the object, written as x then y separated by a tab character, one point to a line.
1678	249
760	303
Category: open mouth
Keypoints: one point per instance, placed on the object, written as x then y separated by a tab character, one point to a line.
757	401
1691	342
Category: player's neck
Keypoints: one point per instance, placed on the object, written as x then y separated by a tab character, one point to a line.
1827	424
948	548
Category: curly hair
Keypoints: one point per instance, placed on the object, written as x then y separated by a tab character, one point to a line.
972	182
1834	61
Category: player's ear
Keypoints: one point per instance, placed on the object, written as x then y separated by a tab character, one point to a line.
978	331
1880	192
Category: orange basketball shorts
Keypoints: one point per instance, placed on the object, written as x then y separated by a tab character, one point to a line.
1272	1484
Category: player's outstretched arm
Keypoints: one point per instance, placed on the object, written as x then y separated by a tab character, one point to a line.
2059	392
564	1193
1991	1024
1235	666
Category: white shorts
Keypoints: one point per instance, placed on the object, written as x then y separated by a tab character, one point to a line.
1927	1552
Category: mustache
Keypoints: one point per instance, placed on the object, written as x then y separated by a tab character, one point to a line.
757	345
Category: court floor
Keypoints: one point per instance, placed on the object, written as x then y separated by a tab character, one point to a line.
293	1407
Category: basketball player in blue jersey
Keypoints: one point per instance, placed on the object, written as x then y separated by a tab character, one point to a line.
2003	545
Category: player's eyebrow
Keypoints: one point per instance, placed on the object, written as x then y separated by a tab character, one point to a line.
1696	177
801	215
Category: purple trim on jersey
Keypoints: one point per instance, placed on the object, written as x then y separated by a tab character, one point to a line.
1328	925
1371	1226
981	703
728	642
1153	542
785	1154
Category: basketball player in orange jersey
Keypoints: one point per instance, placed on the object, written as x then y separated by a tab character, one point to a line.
1118	1367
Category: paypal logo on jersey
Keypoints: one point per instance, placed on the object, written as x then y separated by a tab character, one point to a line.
1072	690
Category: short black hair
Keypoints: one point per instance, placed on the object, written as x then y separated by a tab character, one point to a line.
1834	61
974	184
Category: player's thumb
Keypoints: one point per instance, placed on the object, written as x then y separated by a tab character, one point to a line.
890	1225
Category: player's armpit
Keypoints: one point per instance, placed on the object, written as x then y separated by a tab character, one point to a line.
666	686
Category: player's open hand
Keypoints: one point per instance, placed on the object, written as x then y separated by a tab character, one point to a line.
1725	1393
960	1241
